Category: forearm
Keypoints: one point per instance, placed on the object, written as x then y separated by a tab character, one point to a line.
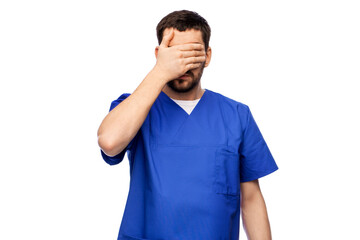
255	219
122	123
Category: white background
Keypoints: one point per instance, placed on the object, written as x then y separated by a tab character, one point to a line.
295	63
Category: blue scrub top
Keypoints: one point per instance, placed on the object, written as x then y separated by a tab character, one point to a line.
185	170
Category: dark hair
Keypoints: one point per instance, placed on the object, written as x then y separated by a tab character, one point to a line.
182	21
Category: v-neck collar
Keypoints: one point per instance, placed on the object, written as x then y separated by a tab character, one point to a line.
170	101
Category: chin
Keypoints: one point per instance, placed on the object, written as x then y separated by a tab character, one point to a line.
181	89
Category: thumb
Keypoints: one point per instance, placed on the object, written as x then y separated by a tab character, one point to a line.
167	38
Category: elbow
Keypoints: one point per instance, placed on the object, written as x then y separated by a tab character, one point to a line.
109	147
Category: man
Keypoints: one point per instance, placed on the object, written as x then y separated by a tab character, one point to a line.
195	155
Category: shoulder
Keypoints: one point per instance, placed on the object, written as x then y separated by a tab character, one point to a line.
230	104
119	100
123	96
235	113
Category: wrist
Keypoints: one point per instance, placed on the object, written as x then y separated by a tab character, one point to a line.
159	74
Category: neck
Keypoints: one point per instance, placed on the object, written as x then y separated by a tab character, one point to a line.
193	94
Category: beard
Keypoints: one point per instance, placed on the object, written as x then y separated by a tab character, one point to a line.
175	84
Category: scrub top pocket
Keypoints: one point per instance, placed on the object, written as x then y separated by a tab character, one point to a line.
227	172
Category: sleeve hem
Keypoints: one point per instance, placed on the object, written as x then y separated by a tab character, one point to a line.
260	175
113	160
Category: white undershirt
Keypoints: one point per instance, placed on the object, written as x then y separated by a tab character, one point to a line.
187	105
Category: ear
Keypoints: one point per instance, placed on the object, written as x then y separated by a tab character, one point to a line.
156	51
208	56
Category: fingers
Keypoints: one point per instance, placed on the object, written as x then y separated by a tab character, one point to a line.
192	66
191	50
167	38
191	46
194	60
193	53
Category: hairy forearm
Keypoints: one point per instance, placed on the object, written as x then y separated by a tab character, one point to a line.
255	219
121	124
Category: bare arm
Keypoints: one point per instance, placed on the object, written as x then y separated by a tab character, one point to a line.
121	124
253	210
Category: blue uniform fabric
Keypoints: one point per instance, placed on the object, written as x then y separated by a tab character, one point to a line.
185	170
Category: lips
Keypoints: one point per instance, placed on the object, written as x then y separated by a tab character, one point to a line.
185	76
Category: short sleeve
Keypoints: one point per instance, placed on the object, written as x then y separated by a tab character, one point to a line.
256	159
119	157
